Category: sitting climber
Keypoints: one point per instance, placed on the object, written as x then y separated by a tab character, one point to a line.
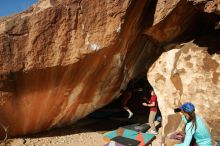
153	111
194	128
126	96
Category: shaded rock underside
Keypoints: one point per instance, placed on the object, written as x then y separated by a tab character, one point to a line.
61	60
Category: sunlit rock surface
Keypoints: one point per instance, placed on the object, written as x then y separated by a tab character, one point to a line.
62	59
174	17
188	73
187	32
170	20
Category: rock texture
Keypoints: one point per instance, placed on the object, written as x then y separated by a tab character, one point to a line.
173	18
170	20
188	69
62	59
188	73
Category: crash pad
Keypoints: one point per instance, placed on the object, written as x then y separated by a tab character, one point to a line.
142	138
125	141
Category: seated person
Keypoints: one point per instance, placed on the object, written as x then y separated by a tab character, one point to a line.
194	128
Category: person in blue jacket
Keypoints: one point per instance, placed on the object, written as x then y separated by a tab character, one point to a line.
194	127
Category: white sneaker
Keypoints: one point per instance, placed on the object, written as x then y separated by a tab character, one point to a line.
153	132
130	115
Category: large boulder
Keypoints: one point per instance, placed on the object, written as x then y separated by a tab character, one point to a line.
62	59
187	32
188	73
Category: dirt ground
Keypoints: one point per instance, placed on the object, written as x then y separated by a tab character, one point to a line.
86	132
80	139
74	135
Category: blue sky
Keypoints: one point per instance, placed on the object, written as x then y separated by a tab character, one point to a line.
9	7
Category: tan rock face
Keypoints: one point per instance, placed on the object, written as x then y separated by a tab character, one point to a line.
188	73
61	60
174	17
170	20
209	6
57	31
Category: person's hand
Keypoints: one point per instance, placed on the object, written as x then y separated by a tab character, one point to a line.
144	104
182	133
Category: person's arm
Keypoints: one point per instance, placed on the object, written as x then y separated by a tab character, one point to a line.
153	100
189	134
182	124
151	104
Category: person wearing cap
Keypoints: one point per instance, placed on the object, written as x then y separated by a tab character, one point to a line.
194	127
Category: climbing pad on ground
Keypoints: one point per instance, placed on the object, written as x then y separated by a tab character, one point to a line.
143	138
138	127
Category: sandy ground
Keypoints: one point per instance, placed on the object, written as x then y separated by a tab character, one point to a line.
67	136
86	132
74	135
81	139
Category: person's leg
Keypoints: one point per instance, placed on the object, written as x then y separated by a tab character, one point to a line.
151	120
129	112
